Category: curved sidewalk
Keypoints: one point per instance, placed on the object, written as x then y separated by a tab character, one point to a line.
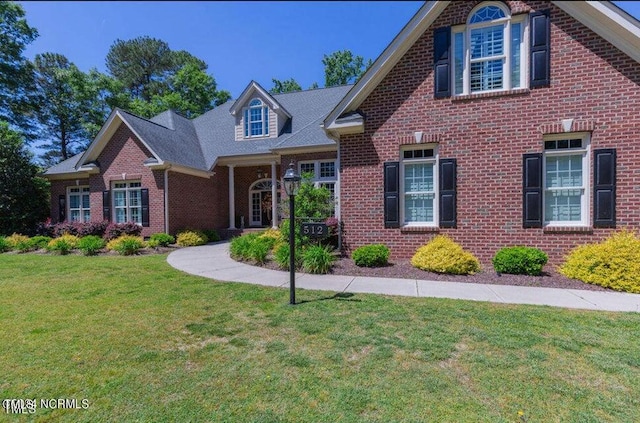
213	261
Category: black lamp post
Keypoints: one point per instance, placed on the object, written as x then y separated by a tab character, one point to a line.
291	187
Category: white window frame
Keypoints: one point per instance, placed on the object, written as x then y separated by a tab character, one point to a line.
584	151
81	191
264	119
128	188
319	181
436	189
507	66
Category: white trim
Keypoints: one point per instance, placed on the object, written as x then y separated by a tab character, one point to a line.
274	201
249	92
274	196
585	151
80	193
166	201
232	198
436	186
127	207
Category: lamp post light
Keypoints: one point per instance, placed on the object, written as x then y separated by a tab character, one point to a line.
291	187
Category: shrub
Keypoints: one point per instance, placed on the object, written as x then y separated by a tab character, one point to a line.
520	261
93	228
443	255
39	242
126	245
317	259
274	234
371	255
212	235
4	244
240	247
19	242
90	245
161	240
190	238
281	256
613	263
45	228
260	248
63	244
64	228
116	230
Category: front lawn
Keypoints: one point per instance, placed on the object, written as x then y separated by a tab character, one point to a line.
144	342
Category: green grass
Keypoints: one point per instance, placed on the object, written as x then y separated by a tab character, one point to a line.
144	342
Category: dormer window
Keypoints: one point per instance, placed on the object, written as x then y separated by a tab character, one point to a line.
256	119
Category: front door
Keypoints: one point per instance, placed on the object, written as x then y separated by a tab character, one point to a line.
260	203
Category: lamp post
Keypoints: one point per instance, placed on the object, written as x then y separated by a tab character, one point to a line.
291	187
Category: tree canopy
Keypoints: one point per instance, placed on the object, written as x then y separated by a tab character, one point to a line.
342	67
287	86
24	197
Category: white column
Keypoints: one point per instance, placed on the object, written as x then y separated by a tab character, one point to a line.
274	196
232	199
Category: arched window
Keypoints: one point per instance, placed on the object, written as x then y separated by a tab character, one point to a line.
489	51
256	119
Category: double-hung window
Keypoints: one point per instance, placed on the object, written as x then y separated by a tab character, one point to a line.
323	174
418	187
79	210
566	178
489	52
256	119
127	202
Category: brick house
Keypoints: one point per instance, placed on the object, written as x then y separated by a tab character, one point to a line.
218	171
497	123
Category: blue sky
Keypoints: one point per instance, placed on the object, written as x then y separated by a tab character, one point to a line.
240	41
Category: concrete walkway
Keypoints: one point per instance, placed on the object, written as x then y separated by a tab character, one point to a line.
213	261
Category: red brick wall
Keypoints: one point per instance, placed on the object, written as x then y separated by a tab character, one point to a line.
198	203
591	82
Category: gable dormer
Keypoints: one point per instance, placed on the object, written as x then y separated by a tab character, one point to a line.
258	115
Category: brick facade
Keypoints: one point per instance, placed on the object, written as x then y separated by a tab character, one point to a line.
591	82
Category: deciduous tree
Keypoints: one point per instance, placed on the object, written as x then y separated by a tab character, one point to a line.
287	86
342	67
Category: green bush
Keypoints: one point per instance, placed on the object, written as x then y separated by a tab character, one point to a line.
90	245
4	244
613	263
160	240
260	248
374	255
126	245
281	256
63	244
191	238
240	247
212	235
19	242
520	260
317	259
39	242
443	255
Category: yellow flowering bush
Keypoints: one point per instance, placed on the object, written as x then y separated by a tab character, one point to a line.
613	263
272	233
63	244
19	242
191	238
443	255
126	245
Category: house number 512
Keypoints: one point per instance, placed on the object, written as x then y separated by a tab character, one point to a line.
314	230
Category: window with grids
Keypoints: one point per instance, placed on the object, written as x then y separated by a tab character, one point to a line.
418	169
323	173
127	202
256	119
488	52
565	182
79	210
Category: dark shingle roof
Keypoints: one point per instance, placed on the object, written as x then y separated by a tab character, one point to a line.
200	142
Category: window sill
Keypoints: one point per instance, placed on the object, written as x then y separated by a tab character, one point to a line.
518	91
421	229
568	229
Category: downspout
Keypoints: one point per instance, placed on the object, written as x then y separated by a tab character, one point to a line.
166	200
336	137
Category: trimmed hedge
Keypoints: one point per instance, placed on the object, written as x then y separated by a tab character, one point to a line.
375	255
520	260
443	255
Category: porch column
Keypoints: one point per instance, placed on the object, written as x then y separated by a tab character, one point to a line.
274	196
232	199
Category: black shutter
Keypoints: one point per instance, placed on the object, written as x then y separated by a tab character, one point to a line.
391	194
441	62
62	207
144	194
540	36
448	215
106	205
604	189
532	190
